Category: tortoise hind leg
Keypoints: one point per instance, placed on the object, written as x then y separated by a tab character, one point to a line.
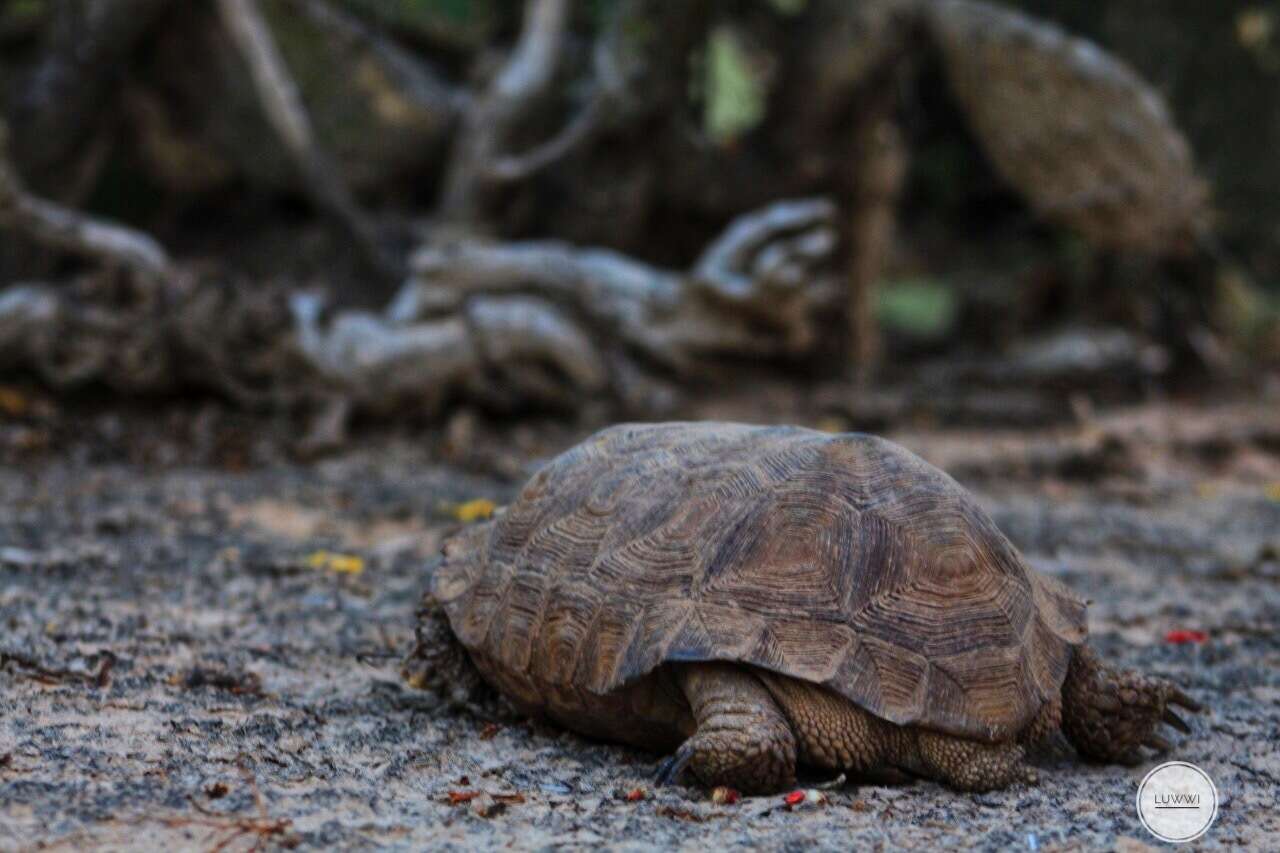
439	663
742	738
1109	714
835	734
967	765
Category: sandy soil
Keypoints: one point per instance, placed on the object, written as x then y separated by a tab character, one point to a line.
188	657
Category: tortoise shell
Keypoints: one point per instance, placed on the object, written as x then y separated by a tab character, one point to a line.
843	560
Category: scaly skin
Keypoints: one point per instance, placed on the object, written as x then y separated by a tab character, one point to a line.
439	663
753	727
1109	714
836	735
742	738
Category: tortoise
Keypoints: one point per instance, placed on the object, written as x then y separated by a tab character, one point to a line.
749	599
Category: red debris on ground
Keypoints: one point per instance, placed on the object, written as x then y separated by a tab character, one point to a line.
724	796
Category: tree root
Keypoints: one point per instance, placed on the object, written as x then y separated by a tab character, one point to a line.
501	324
60	227
550	323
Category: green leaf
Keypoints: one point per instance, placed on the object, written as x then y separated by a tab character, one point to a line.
735	93
921	308
26	8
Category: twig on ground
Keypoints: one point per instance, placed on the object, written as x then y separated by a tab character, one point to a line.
735	265
264	827
54	675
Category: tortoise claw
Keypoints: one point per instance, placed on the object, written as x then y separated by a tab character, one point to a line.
1182	700
672	766
1176	722
1112	714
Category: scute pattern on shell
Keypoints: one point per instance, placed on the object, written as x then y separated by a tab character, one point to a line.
843	560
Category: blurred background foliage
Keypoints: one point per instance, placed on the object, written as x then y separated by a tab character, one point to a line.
772	96
1218	64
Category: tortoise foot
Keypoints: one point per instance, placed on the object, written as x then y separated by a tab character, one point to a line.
1111	714
969	765
743	741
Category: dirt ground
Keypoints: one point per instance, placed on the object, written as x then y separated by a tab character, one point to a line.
200	640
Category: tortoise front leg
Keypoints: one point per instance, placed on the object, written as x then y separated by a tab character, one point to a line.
439	663
742	739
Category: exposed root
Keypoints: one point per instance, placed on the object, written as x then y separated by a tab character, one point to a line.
62	228
502	324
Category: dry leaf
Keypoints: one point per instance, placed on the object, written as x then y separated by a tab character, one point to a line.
345	564
473	510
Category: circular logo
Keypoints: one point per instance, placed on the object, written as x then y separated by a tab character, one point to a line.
1177	802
